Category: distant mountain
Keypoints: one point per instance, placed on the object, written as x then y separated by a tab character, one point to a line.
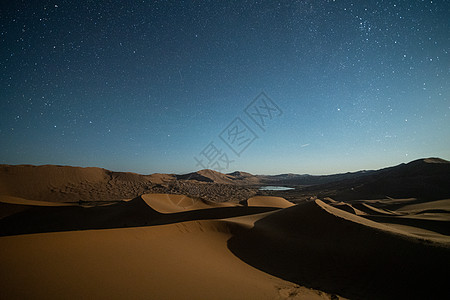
306	179
207	175
240	175
423	178
244	178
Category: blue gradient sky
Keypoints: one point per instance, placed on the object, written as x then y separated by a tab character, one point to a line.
146	86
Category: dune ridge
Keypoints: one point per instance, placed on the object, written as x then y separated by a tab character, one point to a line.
316	245
180	260
267	201
306	248
145	210
169	203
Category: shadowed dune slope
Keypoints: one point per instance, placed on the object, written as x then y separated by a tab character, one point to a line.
10	205
23	201
425	179
136	212
316	245
432	218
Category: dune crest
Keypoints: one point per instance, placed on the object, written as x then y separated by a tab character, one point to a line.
323	247
23	201
170	203
267	201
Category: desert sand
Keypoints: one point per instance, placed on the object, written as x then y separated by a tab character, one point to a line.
188	260
183	260
174	246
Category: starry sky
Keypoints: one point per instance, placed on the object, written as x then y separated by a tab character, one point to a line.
266	87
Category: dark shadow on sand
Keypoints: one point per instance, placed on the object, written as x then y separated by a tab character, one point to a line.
306	245
133	213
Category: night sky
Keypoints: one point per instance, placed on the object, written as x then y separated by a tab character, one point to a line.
266	87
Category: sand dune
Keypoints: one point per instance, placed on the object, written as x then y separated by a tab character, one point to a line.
385	226
429	206
349	208
146	210
167	203
181	261
370	210
224	251
320	246
159	178
428	220
10	205
32	181
266	201
118	238
73	184
425	179
188	260
23	201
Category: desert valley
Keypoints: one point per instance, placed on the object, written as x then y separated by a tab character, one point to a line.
69	232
